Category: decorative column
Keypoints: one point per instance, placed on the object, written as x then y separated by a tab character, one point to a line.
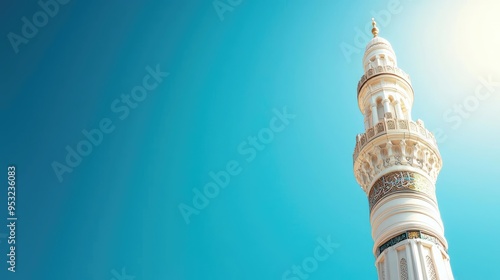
399	111
387	108
374	114
396	163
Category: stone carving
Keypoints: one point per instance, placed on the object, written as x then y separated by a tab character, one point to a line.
379	163
413	127
432	239
403	268
391	242
412	234
402	126
405	152
390	124
399	181
431	270
380	127
416	153
382	69
370	132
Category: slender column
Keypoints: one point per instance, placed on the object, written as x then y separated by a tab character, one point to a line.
416	260
386	269
387	108
448	268
374	114
399	111
439	265
420	256
392	256
409	257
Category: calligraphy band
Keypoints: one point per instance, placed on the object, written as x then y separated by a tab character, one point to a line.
411	234
398	182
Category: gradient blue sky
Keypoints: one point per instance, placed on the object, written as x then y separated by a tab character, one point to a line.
119	207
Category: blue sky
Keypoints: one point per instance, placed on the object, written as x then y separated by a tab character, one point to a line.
231	73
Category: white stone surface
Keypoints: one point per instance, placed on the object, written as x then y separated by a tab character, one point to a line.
393	142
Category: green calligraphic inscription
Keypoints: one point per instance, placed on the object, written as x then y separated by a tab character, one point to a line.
399	181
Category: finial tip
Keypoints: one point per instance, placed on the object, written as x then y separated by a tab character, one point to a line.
374	29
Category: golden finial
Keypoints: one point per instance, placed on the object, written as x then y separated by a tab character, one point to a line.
374	29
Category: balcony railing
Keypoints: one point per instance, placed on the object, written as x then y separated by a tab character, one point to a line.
390	125
380	70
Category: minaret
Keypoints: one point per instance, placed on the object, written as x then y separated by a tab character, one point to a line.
396	162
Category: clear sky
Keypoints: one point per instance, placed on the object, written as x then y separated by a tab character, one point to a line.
101	177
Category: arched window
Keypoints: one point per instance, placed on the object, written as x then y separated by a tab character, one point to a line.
380	109
404	110
382	60
368	119
391	62
392	106
403	269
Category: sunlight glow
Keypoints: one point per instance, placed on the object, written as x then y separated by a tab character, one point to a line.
478	36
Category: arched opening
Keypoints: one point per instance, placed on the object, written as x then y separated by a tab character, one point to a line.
391	62
382	60
380	109
404	110
392	106
368	117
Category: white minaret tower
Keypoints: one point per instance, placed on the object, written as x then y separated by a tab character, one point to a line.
396	162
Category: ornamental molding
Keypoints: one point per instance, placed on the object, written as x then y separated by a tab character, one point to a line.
382	69
398	182
395	142
411	234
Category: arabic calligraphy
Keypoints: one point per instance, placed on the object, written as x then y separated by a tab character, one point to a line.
399	181
412	234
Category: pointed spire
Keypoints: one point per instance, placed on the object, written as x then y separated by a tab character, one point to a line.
374	29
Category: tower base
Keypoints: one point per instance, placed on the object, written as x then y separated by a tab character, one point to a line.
415	259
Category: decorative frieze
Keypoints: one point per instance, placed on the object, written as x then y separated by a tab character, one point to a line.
382	69
406	143
411	234
392	126
397	182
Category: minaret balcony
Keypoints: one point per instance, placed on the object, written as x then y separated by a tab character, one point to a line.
383	69
397	144
389	125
